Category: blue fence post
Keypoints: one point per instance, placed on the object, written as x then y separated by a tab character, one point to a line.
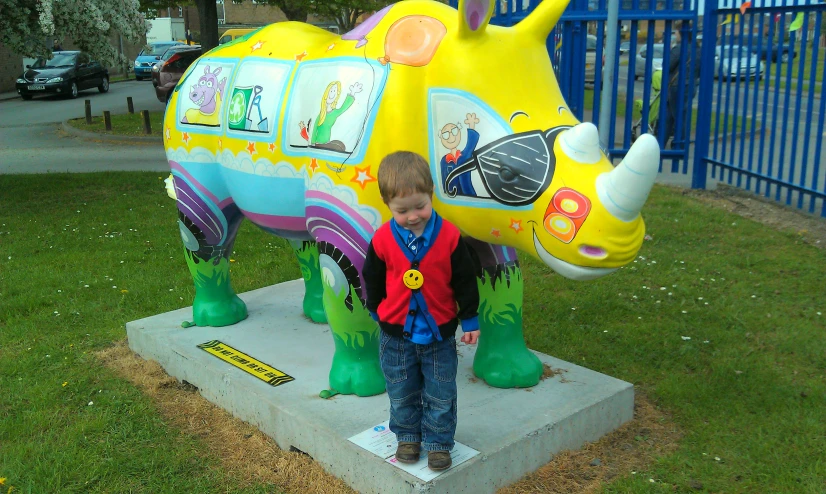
698	178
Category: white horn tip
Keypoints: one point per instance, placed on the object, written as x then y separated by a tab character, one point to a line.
581	143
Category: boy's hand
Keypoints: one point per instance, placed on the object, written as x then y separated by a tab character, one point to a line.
471	337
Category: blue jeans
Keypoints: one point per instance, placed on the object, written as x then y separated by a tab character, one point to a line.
421	384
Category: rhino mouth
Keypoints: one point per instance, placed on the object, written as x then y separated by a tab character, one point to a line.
566	269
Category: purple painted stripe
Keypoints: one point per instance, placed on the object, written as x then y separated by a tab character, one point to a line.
322	219
178	168
294	223
338	240
314	194
194	207
226	202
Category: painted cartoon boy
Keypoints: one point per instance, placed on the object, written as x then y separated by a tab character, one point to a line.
451	137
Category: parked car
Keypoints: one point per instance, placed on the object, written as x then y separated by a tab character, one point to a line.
168	71
625	47
149	56
66	73
782	53
643	54
736	62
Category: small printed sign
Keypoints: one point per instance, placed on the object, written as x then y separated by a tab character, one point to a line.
250	365
381	442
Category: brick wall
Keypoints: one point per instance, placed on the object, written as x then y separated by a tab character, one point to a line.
11	66
249	13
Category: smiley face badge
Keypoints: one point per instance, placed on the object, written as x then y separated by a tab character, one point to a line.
413	279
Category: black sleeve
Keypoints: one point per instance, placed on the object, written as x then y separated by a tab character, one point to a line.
465	271
374	274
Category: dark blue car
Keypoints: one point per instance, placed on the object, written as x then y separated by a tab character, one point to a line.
777	53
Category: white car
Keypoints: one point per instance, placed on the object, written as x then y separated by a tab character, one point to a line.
643	54
736	62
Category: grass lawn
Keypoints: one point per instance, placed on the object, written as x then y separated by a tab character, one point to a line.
783	68
128	124
719	321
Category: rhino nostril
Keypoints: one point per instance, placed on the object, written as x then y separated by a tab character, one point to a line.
592	252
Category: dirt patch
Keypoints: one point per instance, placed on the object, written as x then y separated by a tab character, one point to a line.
240	446
631	448
811	229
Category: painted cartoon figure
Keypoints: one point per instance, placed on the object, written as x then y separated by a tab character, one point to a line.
328	115
451	137
549	191
206	93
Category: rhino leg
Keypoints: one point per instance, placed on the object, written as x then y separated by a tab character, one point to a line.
307	253
343	236
208	234
502	359
355	368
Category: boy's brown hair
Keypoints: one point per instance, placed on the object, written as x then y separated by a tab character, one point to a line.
403	173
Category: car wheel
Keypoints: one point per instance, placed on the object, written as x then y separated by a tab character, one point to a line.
138	78
784	58
26	97
73	90
104	86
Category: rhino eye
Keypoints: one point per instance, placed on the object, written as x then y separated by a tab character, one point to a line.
506	174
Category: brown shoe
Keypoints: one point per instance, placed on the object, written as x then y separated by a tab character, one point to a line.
439	460
408	452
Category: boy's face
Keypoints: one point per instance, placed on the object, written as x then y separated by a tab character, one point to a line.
412	211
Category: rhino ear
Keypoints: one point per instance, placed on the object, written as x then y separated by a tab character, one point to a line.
542	20
474	16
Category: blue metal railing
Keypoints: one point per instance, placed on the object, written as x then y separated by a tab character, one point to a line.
766	115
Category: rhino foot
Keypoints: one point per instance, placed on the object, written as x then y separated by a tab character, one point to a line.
314	307
221	312
507	366
362	377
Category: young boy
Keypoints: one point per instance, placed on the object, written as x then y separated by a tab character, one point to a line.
417	270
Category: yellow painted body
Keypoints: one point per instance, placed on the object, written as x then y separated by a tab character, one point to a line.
506	69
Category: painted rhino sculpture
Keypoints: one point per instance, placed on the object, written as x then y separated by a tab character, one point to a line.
287	125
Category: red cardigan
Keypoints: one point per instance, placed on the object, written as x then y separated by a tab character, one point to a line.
450	277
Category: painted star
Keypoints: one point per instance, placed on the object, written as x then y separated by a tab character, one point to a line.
495	232
185	138
516	225
258	44
272	147
300	56
362	176
314	165
168	133
251	147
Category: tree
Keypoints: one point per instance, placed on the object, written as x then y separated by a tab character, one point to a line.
28	27
294	10
345	12
208	16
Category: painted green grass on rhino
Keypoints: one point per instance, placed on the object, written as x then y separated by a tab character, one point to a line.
502	304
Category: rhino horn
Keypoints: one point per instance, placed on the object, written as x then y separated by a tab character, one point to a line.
624	190
581	143
542	20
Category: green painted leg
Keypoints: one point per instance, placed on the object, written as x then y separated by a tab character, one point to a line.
502	358
216	304
307	254
356	369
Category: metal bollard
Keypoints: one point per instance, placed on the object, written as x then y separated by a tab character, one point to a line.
107	120
147	127
88	112
129	105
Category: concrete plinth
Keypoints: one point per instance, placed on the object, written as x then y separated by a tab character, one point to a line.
515	430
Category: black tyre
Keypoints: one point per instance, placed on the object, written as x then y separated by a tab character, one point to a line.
104	85
138	78
26	97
